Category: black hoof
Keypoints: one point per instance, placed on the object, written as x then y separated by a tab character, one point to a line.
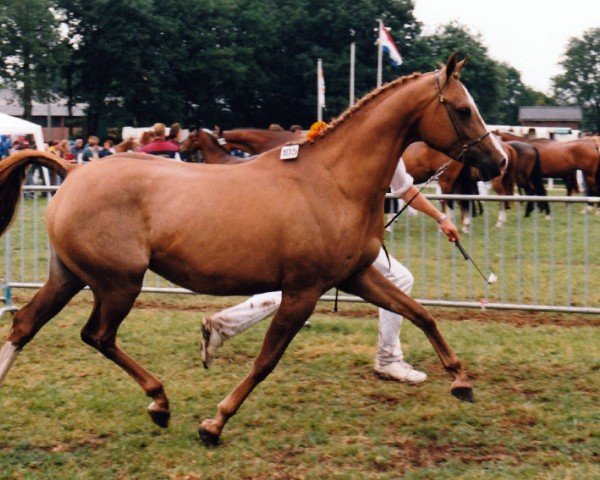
209	439
160	418
464	394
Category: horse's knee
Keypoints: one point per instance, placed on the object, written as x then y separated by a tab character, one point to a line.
96	340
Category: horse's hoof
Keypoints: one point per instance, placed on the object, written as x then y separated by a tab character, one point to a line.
208	439
464	394
160	417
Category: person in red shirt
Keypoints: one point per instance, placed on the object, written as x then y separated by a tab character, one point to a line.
160	146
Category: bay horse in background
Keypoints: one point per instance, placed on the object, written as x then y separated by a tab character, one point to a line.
305	225
527	173
563	159
422	162
212	151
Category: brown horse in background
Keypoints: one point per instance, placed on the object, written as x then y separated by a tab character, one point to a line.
126	145
422	162
527	172
212	151
563	159
306	224
255	140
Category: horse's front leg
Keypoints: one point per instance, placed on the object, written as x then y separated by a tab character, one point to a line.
294	311
371	285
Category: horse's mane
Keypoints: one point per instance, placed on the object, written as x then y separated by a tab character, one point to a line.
365	100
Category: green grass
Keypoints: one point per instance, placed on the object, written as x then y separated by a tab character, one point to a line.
68	413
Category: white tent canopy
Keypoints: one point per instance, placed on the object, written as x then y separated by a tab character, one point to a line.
16	126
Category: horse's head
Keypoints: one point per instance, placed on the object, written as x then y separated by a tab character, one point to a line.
452	124
190	144
196	140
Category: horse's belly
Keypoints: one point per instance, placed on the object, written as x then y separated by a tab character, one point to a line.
214	278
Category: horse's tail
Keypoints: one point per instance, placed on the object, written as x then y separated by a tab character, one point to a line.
12	174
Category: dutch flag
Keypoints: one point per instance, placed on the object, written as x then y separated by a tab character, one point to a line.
386	43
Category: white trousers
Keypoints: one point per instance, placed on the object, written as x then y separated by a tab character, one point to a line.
234	320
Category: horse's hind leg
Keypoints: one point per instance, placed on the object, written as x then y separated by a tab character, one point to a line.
372	286
110	309
60	287
288	320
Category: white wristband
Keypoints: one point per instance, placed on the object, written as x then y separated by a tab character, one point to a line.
442	217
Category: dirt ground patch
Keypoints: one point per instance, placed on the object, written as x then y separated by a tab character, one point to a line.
356	310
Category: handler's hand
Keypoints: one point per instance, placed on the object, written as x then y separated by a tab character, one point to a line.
449	229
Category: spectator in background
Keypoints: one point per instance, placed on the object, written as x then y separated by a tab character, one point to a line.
112	135
5	146
296	129
275	127
92	150
65	151
16	146
107	149
77	149
54	149
160	146
175	134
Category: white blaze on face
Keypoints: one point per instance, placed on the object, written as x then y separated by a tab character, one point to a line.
8	353
474	109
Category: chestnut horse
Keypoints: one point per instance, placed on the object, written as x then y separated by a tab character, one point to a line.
306	224
255	140
130	144
563	159
211	150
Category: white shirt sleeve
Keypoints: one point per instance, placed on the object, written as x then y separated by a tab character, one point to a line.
402	180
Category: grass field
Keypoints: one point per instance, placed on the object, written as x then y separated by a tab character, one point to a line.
68	413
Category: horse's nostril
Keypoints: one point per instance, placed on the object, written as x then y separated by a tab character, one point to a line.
503	164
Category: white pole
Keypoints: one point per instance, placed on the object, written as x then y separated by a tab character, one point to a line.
379	56
319	105
352	63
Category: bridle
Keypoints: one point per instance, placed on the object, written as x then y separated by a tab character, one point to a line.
466	143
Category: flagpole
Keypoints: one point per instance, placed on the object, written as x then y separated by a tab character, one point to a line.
379	55
319	106
352	68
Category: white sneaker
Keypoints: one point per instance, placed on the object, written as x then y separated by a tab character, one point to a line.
399	371
210	342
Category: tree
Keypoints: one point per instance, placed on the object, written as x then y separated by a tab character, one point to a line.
481	77
580	83
513	94
121	62
29	52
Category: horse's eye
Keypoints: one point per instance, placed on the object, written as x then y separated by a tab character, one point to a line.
464	112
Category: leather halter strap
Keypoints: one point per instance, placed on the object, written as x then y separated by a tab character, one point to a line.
466	143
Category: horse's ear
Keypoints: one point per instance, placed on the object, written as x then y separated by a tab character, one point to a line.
448	70
460	65
451	65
